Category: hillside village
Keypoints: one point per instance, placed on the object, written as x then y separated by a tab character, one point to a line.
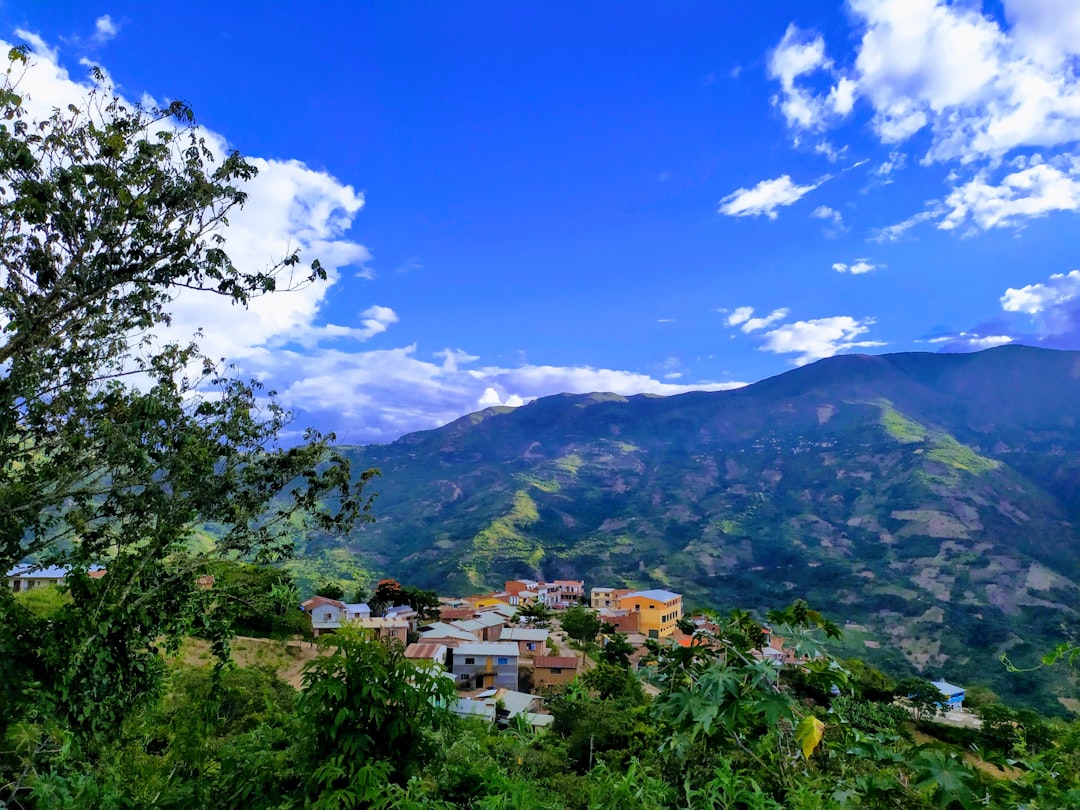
500	648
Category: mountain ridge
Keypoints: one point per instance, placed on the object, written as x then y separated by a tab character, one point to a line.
932	499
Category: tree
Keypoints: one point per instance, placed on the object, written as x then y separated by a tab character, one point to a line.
922	697
617	650
425	603
580	624
330	590
534	613
368	710
114	443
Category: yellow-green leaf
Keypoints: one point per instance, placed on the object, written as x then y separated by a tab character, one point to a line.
808	734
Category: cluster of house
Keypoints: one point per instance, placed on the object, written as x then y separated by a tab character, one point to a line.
487	651
489	654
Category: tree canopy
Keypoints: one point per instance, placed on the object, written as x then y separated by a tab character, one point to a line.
116	442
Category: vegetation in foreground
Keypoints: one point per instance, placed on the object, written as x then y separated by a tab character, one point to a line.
372	729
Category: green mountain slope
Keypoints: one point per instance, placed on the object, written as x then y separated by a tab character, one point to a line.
931	500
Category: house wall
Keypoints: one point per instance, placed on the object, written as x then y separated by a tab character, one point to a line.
656	619
549	676
486	671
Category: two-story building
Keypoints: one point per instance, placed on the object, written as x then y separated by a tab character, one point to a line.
485	665
658	610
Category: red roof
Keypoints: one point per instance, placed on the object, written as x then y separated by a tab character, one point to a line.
317	601
555	662
424	650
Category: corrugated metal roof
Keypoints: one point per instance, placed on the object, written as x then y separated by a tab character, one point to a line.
428	650
948	689
443	630
659	594
480	648
523	634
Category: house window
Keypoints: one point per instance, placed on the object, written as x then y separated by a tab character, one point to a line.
556	670
469	661
530	646
326	617
502	662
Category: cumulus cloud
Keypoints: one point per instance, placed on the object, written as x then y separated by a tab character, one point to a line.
105	29
856	268
969	342
1042	314
491	397
975	89
1035	191
1061	289
739	315
377	395
766	197
819	338
801	54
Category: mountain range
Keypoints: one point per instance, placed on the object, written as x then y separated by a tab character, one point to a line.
928	502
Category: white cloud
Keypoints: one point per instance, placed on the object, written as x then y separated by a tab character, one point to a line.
105	29
754	324
970	341
765	197
800	54
491	397
815	339
1035	191
981	90
856	268
1048	31
828	214
893	233
978	90
1033	299
377	395
739	315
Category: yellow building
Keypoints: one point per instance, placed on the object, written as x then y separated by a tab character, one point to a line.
601	598
658	611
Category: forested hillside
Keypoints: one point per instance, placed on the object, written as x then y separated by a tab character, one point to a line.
933	499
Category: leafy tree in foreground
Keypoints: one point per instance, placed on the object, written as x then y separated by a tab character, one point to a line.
369	711
114	444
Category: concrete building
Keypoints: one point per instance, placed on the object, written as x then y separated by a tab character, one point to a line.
658	610
485	665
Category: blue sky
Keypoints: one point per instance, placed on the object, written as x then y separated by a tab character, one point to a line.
520	199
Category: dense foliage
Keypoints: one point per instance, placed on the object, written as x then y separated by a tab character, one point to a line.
372	729
117	445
